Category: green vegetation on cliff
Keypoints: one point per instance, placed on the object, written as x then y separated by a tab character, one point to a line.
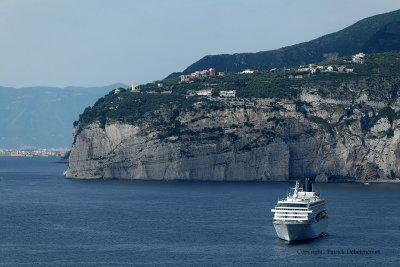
377	77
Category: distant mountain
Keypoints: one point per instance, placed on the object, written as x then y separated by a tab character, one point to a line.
380	33
386	39
43	117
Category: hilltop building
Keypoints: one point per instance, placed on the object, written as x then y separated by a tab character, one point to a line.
135	88
313	68
290	106
230	93
247	71
358	58
211	72
303	69
204	92
263	101
187	78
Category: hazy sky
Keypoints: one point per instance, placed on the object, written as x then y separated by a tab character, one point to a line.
99	42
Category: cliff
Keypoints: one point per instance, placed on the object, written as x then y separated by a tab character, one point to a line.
336	126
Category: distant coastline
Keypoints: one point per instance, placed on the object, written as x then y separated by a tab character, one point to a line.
383	181
60	152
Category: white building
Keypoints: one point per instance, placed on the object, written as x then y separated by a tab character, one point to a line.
303	69
204	73
231	93
135	88
358	58
196	74
289	106
263	102
204	92
248	71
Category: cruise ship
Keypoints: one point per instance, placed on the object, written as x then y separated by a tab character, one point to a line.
301	215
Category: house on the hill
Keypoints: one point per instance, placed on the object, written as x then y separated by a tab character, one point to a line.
204	92
211	72
247	71
263	102
290	106
231	93
358	58
134	88
187	78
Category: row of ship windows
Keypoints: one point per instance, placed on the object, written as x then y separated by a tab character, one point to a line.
316	204
287	205
291	209
294	214
291	217
301	206
279	208
314	210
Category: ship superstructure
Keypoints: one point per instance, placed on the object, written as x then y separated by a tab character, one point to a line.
301	215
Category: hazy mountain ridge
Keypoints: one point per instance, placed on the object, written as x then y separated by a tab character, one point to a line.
372	35
43	116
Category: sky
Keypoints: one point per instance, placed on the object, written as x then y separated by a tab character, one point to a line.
98	42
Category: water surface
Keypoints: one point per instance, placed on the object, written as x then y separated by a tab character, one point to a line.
48	220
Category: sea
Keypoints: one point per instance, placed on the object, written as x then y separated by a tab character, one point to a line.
47	220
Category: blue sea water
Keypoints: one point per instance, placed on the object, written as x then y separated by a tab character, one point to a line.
46	220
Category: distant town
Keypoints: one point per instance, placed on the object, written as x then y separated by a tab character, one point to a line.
299	72
229	95
4	152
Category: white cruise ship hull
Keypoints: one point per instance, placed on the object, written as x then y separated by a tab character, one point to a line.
292	231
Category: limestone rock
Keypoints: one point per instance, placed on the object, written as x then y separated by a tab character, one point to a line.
242	144
321	178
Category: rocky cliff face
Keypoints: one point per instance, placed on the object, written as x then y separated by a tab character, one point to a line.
248	140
